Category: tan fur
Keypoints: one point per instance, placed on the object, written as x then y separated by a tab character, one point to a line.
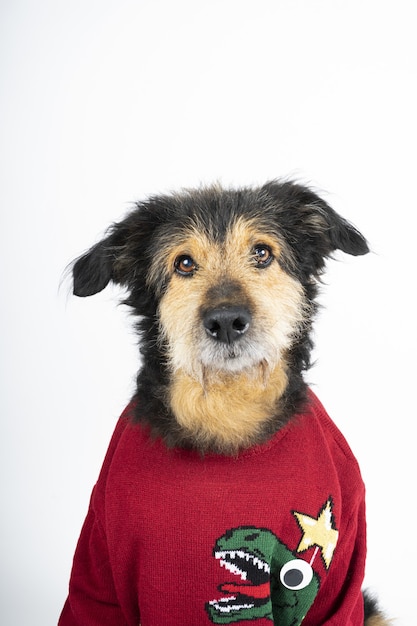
378	620
216	394
227	409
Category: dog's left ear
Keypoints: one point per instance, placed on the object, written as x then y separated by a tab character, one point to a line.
312	228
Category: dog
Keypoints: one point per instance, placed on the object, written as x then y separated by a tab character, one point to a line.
227	494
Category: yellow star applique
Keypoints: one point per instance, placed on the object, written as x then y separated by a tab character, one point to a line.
319	532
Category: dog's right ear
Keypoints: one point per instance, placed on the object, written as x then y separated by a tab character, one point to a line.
93	270
121	257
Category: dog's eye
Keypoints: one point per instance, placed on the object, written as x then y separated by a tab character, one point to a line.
185	265
262	255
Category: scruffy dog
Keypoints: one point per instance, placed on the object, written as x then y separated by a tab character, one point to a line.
227	494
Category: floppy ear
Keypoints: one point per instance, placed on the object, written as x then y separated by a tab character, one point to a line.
313	229
102	263
93	271
121	257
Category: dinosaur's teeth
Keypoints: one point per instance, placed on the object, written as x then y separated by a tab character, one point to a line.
222	606
232	568
261	564
224	555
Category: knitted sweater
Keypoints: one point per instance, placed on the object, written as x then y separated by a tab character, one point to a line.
275	535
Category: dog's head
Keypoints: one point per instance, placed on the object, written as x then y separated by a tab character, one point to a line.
224	282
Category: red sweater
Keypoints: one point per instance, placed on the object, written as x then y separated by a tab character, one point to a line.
275	535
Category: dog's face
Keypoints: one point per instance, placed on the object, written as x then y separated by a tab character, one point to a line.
225	281
228	305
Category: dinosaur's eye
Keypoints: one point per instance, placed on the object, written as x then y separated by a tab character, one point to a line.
262	255
296	574
185	265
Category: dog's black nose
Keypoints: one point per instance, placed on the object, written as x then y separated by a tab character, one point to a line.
227	323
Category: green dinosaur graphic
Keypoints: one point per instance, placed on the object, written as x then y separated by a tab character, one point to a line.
271	582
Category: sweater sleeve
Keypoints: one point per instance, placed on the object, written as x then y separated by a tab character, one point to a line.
92	598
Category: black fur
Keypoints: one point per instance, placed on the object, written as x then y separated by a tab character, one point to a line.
311	230
371	607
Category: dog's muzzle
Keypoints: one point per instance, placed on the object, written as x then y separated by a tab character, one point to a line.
227	323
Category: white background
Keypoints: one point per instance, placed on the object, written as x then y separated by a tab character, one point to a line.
104	102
